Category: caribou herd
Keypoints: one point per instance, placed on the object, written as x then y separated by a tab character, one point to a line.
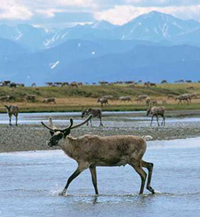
155	108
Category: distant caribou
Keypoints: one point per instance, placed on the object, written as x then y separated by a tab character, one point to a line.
184	98
96	113
125	98
103	100
12	110
156	111
49	100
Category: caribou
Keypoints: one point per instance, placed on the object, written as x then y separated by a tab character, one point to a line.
12	110
184	97
125	98
94	112
90	151
103	100
49	100
156	111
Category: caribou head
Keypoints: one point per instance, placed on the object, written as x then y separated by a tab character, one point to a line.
149	110
58	134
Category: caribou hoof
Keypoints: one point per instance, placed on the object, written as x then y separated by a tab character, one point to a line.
62	193
151	190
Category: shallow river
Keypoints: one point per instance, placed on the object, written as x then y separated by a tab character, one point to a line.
63	118
31	181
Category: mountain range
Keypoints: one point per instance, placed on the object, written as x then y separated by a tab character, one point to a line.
153	46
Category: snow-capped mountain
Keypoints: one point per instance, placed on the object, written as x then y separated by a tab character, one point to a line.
154	27
26	35
145	48
95	31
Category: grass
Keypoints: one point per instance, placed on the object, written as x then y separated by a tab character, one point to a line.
76	99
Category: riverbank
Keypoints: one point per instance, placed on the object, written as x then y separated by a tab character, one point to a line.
26	137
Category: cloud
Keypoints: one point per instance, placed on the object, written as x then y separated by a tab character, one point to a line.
162	3
49	13
129	12
11	9
66	3
114	11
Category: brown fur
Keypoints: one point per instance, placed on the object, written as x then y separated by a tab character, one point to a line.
102	151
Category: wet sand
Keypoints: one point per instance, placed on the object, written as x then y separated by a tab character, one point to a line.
33	137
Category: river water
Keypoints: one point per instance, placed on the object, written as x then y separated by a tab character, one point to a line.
31	181
63	117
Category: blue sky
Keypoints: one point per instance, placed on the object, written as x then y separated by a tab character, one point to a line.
63	13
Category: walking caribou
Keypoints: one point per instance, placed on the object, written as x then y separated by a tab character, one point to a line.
96	113
156	111
12	110
90	151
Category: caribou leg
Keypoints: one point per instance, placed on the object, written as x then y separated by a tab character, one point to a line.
78	171
16	120
10	120
163	121
94	178
101	122
141	172
149	166
151	120
157	120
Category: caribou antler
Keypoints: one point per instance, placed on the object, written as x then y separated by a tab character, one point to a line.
69	127
4	104
53	128
84	122
51	124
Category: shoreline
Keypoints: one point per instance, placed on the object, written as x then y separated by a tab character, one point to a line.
31	137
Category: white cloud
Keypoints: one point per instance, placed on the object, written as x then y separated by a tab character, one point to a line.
128	12
25	9
63	3
163	2
49	12
11	9
125	11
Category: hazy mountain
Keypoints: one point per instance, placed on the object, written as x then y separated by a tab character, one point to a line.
143	62
154	26
145	48
30	37
149	62
8	47
41	65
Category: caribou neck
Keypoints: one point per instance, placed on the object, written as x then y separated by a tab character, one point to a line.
67	145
